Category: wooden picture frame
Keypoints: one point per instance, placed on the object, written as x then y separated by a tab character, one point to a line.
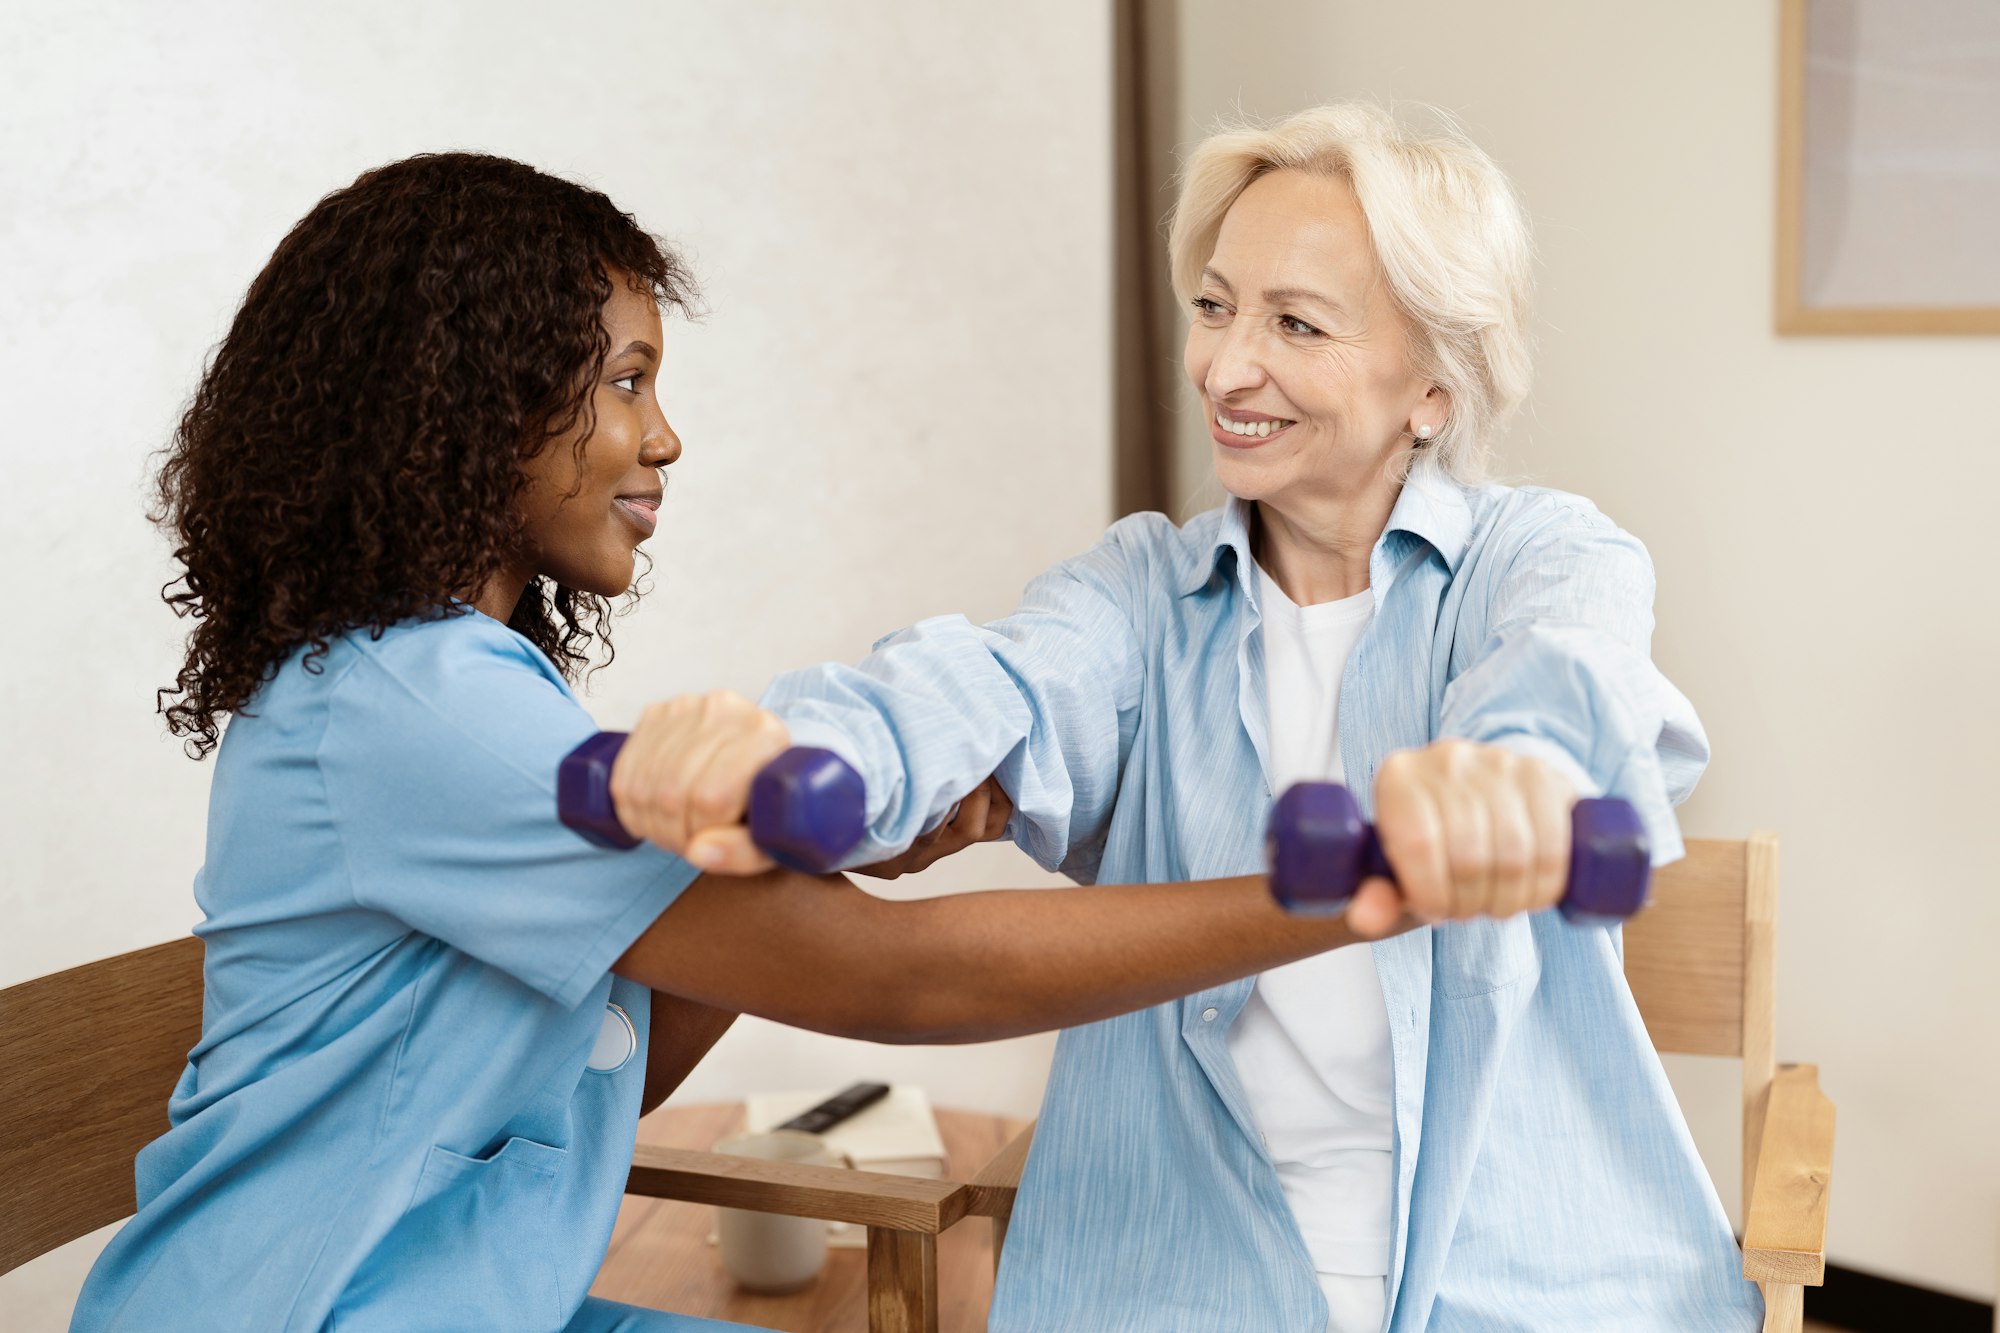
1828	73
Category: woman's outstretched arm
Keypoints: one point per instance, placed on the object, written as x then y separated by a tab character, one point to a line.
819	953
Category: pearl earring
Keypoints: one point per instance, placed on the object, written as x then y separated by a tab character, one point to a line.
1423	432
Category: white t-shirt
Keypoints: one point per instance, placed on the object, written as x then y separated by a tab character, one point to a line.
1312	1043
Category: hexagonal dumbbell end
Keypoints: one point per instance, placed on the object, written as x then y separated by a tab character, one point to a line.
808	808
1610	863
583	792
1319	848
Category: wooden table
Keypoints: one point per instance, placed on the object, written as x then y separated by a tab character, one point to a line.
660	1255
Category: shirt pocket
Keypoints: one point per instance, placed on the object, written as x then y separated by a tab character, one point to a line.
1478	957
474	1249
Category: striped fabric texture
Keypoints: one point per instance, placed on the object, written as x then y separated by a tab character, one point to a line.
1544	1177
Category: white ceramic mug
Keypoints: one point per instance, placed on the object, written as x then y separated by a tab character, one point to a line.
766	1252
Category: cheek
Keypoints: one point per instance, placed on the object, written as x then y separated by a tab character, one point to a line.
609	455
1195	356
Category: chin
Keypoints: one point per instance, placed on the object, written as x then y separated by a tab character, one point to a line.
1246	482
604	581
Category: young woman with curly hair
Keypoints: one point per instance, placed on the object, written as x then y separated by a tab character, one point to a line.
413	476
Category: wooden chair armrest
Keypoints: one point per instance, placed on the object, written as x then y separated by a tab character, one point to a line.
1784	1238
794	1189
991	1192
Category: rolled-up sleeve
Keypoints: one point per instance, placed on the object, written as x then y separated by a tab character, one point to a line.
1564	672
1046	700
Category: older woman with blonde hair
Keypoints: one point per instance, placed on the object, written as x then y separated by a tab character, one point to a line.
1464	1126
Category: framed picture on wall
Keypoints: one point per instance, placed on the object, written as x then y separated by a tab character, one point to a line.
1889	166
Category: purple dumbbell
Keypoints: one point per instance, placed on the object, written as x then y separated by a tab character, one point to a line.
1321	849
808	809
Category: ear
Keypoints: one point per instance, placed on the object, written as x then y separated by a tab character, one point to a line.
1427	420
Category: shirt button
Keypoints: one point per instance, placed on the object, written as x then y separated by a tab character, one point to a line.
1208	1015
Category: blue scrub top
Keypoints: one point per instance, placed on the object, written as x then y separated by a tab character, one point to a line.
414	1100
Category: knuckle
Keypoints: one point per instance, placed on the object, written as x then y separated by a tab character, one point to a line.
709	801
1466	859
1513	862
667	796
1456	755
1406	841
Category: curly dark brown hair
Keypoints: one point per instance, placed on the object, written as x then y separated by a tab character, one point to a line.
353	455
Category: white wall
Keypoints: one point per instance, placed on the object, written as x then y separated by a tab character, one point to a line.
1819	514
901	216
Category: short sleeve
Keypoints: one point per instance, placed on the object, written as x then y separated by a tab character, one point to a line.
439	758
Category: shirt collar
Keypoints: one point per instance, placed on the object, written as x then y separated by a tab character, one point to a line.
1431	507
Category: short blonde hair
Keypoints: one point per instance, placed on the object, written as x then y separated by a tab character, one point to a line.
1451	242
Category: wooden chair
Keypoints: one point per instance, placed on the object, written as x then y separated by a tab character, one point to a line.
1700	964
1700	961
88	1057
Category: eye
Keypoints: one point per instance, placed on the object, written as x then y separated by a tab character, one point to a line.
629	381
1207	308
1294	325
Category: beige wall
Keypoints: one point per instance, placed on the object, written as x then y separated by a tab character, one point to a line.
901	357
1819	511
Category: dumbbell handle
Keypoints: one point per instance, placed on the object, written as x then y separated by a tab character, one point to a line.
1321	849
808	808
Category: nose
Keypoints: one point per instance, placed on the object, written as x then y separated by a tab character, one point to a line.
1237	364
658	445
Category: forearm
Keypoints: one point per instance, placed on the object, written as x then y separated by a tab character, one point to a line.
1013	962
1044	700
821	954
683	1031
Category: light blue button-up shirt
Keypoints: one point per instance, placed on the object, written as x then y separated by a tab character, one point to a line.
1544	1178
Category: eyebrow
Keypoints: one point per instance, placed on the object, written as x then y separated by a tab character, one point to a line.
640	346
1279	295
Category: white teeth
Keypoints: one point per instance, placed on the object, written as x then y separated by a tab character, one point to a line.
1258	429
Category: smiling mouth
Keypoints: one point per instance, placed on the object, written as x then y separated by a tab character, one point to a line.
641	509
1262	429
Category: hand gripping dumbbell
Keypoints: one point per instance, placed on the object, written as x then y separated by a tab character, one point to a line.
808	809
1321	849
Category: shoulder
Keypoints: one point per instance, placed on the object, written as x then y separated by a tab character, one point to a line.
448	652
1515	513
1150	553
461	670
1535	522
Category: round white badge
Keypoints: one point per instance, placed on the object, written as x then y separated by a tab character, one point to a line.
617	1041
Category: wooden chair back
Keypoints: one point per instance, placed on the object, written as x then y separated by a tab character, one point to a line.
88	1059
1699	961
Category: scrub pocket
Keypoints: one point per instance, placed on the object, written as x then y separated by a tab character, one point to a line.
473	1250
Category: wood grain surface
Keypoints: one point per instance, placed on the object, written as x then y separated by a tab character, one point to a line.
660	1255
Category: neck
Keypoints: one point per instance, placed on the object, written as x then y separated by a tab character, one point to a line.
500	594
1318	551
